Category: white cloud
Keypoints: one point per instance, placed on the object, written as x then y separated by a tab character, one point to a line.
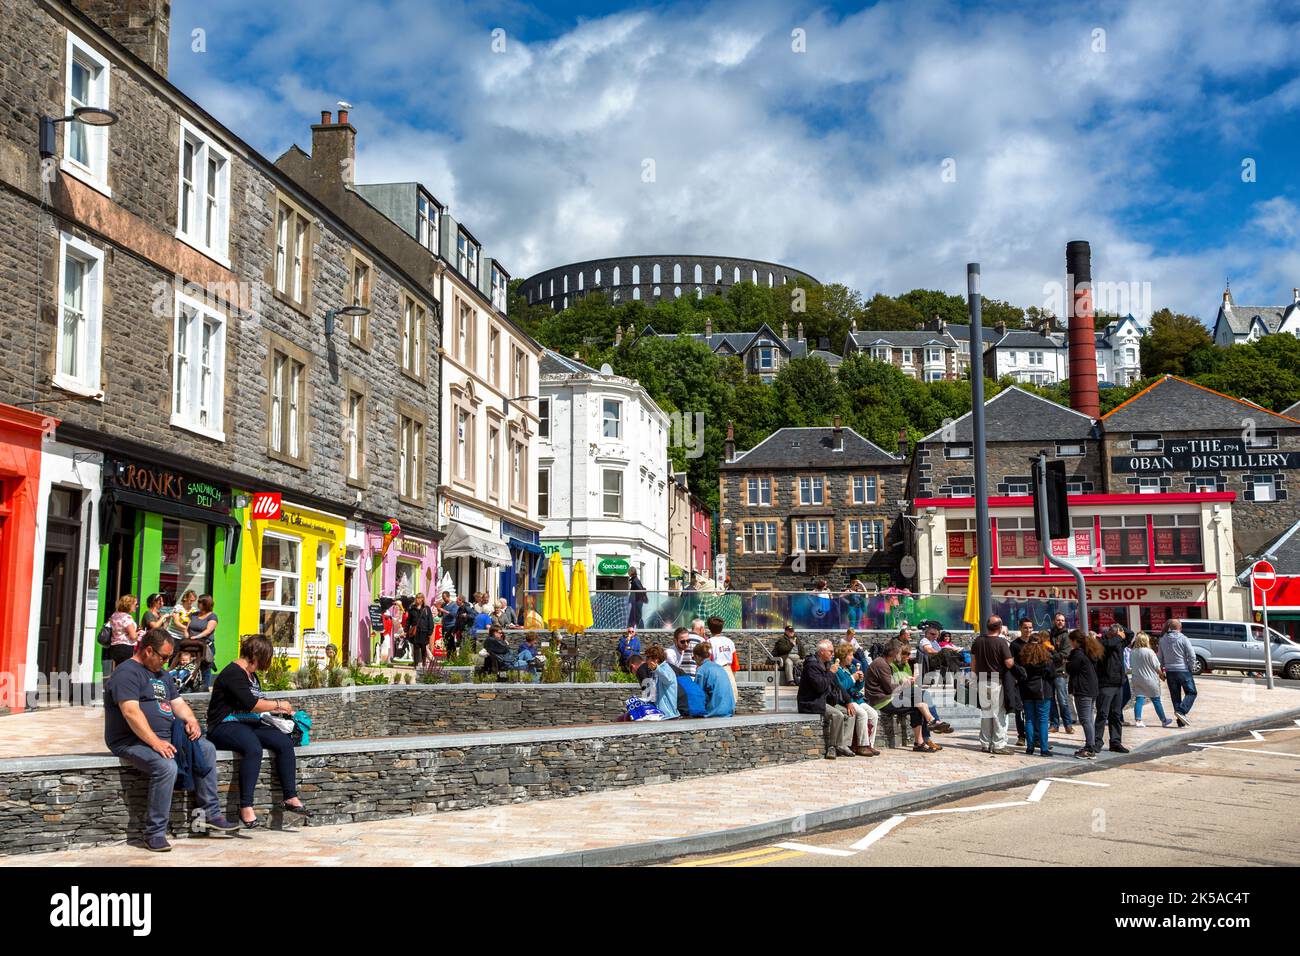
828	160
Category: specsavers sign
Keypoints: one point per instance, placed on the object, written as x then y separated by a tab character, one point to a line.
612	566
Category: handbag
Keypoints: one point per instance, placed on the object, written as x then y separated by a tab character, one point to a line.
105	636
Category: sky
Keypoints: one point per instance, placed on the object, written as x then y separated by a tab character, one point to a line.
882	146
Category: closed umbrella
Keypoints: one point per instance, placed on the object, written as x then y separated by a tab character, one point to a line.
579	600
972	613
555	602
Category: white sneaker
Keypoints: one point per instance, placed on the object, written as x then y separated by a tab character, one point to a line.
1139	724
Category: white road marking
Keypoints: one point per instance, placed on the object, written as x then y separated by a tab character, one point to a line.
1077	783
982	806
1036	794
880	831
809	848
1238	750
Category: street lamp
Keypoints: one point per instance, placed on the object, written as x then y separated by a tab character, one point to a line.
348	310
89	115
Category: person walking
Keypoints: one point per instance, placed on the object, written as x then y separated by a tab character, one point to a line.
637	599
121	624
1146	680
1110	688
203	627
990	657
1081	666
1178	658
1036	676
419	630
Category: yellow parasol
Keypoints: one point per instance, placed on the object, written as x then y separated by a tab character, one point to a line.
579	600
972	613
555	602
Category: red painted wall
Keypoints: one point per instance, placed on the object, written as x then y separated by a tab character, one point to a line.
20	472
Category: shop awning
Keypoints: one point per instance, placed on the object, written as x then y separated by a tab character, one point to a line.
122	496
525	546
463	541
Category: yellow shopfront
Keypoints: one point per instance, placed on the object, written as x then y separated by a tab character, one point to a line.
293	583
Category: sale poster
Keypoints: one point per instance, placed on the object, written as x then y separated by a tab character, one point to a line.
1137	542
1031	546
957	545
1083	542
1190	540
1106	616
1007	543
1060	547
1110	540
1158	618
1165	541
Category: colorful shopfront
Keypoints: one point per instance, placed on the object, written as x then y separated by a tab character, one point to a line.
392	564
170	531
294	582
1283	552
20	468
1145	558
525	563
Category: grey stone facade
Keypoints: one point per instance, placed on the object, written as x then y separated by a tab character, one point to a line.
936	473
379	711
55	803
145	264
563	285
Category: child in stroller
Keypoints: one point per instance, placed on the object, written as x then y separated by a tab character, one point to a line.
186	667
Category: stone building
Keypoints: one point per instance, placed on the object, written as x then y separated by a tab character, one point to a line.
762	352
1177	436
1017	426
168	294
934	354
807	504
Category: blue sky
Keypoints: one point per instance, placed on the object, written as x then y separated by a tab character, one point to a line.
903	140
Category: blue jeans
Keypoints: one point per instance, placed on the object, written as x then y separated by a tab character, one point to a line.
162	780
1182	690
1036	725
1155	702
1061	713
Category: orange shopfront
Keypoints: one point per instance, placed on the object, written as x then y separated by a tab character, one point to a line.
20	472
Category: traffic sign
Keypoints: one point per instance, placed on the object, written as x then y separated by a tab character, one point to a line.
1263	575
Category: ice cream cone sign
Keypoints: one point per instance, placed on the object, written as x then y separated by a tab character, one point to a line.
392	529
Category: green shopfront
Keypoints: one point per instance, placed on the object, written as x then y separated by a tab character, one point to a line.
169	531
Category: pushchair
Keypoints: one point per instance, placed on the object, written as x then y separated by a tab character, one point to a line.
186	665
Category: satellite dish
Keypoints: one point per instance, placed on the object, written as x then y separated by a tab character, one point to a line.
607	369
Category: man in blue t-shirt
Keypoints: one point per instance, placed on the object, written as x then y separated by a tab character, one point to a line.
715	682
141	705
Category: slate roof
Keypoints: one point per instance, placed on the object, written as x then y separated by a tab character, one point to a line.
830	358
1283	552
812	448
553	363
1026	339
1174	404
1241	317
901	339
1016	415
735	343
1292	411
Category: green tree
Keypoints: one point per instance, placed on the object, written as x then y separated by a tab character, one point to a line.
884	313
1172	338
807	391
931	302
1266	372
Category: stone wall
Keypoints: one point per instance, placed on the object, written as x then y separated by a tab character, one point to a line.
389	711
59	802
935	475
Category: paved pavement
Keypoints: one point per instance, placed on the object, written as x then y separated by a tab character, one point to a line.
1227	804
611	819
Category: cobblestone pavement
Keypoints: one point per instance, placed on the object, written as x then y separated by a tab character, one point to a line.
612	818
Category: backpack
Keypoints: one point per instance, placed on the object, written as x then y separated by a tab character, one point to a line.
105	636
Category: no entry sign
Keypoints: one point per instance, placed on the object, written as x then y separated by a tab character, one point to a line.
1264	576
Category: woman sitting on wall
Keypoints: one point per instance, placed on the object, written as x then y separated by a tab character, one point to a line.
236	695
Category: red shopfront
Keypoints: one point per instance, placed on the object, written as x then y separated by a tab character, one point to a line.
20	472
1145	558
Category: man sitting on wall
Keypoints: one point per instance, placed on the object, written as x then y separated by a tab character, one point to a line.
715	682
141	710
820	693
789	649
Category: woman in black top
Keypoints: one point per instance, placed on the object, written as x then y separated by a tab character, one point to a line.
1082	668
1036	676
153	616
237	691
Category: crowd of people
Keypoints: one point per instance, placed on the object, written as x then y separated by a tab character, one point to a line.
693	677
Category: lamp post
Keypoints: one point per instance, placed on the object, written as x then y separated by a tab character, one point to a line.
983	543
89	115
348	310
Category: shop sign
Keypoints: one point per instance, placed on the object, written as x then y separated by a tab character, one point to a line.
412	547
266	506
295	520
1178	594
564	548
167	484
612	566
455	511
1202	454
1106	593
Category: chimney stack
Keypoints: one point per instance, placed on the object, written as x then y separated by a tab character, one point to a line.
334	149
799	331
1083	341
902	443
142	26
785	330
1295	295
1000	328
729	448
708	328
838	435
618	334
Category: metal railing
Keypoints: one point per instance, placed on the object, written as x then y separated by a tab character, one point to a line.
808	610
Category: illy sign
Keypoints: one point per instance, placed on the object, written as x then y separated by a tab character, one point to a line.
266	506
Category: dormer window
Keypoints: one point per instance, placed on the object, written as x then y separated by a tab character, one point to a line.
427	213
1148	442
467	257
499	281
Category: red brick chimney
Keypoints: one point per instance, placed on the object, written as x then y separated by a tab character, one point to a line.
1083	340
729	448
142	26
334	149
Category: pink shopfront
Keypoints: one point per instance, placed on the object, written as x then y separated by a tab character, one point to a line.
389	567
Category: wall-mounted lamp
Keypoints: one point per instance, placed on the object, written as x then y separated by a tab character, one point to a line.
348	310
505	402
90	115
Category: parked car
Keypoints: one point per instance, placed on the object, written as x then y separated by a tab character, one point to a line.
1237	645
